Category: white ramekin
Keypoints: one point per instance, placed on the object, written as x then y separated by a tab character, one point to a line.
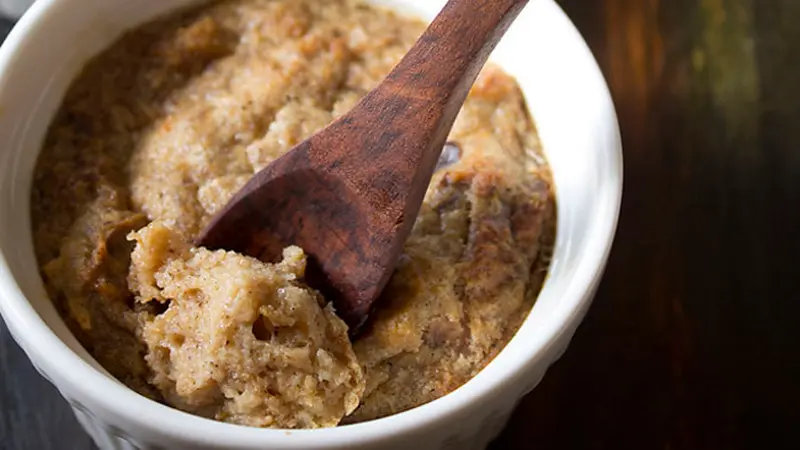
575	115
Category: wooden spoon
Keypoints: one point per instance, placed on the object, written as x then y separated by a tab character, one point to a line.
349	194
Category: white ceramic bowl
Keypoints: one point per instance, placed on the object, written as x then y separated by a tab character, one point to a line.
571	106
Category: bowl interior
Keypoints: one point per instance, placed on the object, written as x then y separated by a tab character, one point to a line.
561	82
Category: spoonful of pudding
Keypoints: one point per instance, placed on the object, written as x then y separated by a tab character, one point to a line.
349	194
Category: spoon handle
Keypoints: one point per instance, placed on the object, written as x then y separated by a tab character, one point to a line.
444	63
400	128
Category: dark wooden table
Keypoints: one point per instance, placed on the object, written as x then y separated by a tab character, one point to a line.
694	339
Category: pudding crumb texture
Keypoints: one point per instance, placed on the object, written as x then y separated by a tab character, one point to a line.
156	135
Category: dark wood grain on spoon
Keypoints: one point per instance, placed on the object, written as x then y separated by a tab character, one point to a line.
349	194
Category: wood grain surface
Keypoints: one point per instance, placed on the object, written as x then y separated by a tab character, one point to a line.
692	342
